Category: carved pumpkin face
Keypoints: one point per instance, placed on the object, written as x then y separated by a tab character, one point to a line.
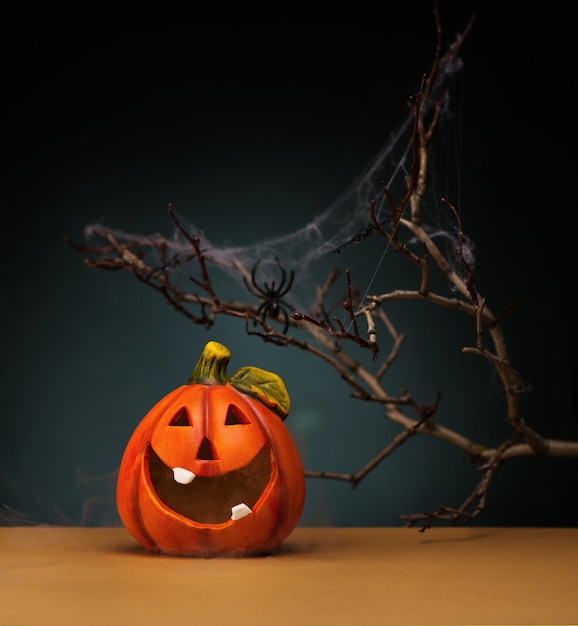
212	469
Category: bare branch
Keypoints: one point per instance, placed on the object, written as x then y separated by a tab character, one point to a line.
327	339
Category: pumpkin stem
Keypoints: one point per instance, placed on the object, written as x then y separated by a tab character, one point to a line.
212	365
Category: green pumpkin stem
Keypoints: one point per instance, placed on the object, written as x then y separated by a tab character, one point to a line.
212	365
266	386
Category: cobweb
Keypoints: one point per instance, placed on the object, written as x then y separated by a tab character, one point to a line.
342	225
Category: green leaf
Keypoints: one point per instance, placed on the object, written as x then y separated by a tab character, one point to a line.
266	386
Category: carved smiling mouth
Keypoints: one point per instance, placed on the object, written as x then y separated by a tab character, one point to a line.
211	499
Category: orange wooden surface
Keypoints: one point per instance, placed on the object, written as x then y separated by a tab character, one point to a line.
322	576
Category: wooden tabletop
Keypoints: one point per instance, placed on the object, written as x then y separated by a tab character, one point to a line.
322	576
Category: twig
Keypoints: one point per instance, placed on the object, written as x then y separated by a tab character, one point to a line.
323	337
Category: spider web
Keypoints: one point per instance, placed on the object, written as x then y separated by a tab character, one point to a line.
328	239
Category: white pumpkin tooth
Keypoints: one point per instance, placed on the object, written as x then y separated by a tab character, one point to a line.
240	510
183	476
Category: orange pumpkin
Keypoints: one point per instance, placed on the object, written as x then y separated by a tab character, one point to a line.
211	469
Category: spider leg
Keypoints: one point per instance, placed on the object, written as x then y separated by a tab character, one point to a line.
283	273
262	311
282	290
285	318
254	272
254	287
285	291
287	305
282	315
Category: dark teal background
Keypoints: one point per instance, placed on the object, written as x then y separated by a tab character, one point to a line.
250	129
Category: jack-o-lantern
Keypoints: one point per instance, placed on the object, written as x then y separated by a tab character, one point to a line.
211	469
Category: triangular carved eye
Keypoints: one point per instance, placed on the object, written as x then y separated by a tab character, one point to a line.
235	416
180	419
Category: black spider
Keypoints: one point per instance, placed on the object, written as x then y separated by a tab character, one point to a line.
272	296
